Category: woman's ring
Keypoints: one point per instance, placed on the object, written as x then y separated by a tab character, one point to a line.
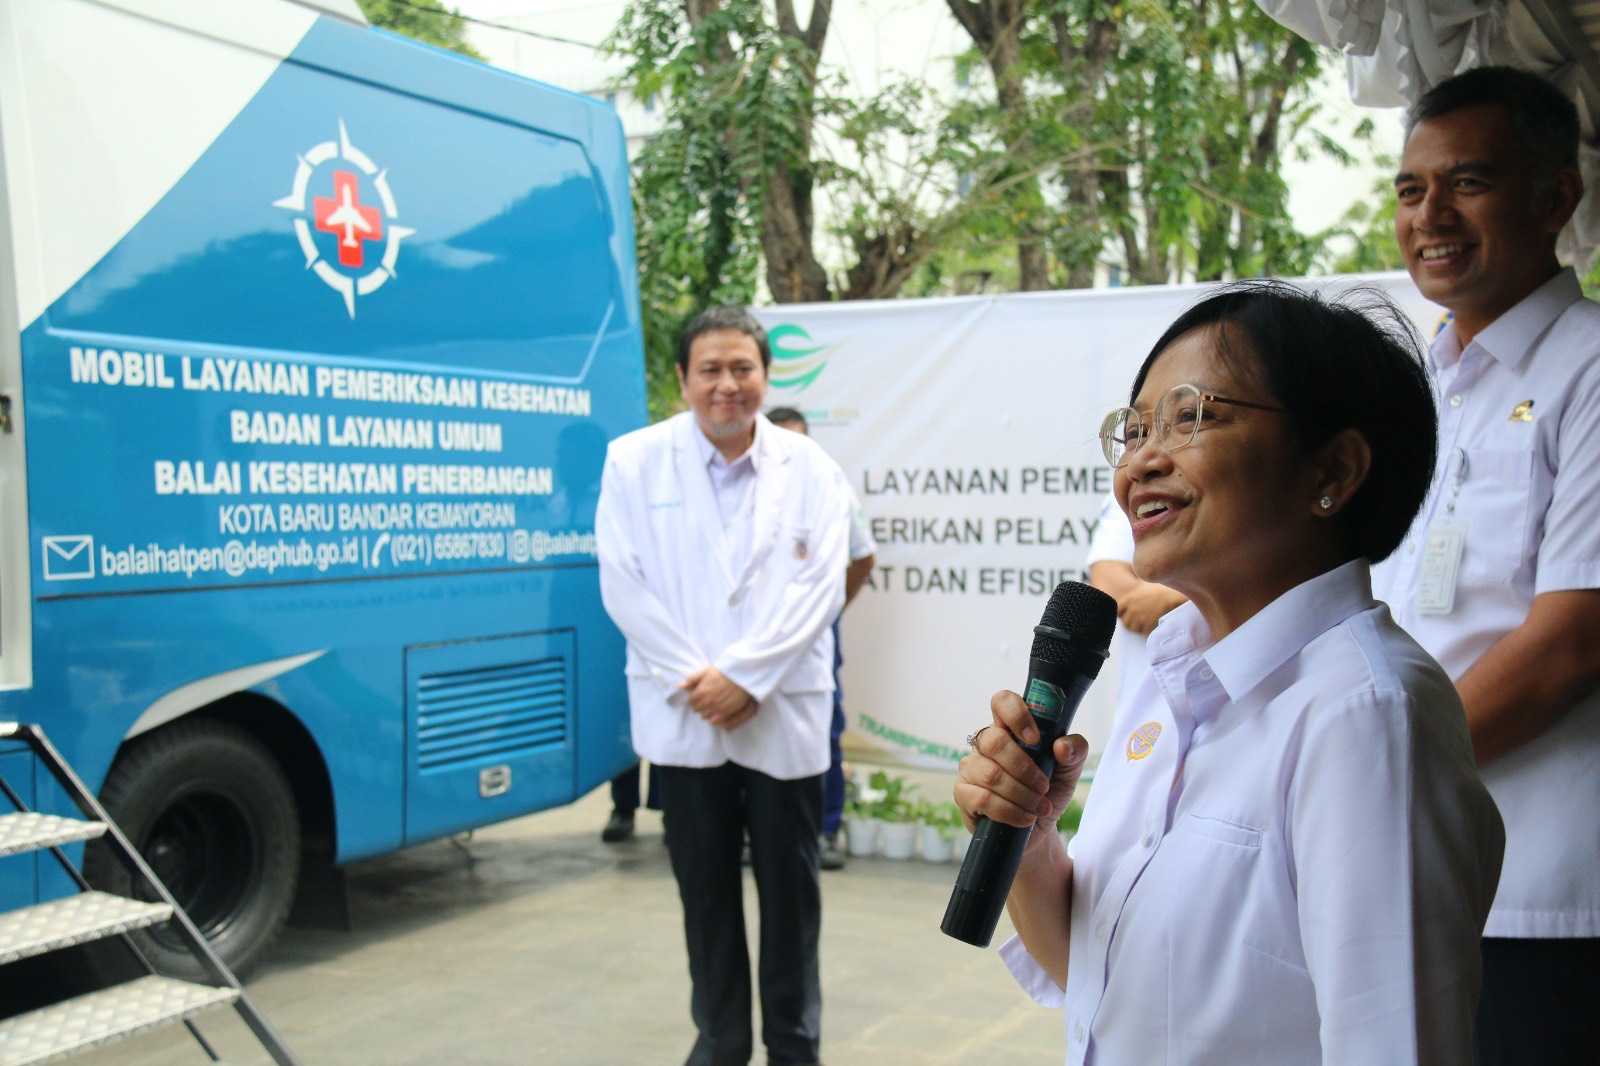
972	738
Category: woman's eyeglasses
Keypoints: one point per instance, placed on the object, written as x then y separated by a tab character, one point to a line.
1173	424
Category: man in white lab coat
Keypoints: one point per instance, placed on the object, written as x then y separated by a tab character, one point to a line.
721	541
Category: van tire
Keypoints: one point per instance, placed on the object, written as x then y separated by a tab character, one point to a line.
210	810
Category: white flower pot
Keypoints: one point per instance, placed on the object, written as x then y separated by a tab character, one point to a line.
958	845
935	846
861	836
899	839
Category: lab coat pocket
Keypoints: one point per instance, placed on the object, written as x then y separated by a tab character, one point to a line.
1494	503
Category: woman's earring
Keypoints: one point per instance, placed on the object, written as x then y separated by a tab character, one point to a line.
1326	503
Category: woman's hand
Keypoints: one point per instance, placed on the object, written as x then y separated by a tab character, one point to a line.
1000	782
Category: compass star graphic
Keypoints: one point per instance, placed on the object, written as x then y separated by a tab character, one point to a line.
344	215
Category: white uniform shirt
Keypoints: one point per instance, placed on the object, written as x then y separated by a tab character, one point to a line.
1113	535
734	486
1520	408
861	542
1287	856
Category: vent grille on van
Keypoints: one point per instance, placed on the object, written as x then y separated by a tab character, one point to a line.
467	716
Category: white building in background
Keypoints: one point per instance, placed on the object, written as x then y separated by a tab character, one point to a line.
873	43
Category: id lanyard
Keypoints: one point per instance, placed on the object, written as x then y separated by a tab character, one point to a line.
1441	551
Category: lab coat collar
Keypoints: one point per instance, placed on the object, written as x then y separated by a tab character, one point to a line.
1509	338
1277	632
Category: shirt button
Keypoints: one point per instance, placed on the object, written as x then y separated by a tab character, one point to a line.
1455	401
1079	1032
1103	930
1149	840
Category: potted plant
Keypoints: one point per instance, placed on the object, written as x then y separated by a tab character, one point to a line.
896	815
860	827
939	823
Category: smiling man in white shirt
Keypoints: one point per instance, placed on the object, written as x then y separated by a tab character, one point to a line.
1500	577
722	544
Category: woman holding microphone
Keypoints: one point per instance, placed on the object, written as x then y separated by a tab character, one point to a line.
1287	856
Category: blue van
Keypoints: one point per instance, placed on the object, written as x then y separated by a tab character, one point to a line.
312	340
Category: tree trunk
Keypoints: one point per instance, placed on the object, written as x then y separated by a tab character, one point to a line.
995	26
788	223
793	273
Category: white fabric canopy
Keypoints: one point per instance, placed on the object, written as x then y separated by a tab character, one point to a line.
1396	50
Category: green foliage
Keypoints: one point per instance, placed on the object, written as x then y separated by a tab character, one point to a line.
1363	240
423	20
892	800
943	817
1189	107
1591	280
1070	818
696	207
753	135
1150	132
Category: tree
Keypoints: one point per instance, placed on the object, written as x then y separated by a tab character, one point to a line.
996	27
1187	105
422	20
731	183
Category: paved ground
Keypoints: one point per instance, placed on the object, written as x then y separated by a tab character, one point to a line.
533	943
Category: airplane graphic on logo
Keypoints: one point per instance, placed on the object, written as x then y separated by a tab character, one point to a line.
344	216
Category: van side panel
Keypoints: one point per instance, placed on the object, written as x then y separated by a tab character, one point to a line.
346	388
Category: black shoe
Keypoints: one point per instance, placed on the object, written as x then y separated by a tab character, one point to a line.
619	827
833	856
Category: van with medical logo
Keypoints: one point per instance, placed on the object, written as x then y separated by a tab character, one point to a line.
312	339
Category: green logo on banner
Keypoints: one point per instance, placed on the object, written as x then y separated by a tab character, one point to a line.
1043	698
796	360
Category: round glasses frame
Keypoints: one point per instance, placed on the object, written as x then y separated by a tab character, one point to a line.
1173	424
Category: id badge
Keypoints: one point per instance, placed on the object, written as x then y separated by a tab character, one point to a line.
1441	563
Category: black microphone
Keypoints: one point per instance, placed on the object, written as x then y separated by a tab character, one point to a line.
1069	646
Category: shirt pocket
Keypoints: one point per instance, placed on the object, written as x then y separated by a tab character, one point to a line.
1494	504
1221	830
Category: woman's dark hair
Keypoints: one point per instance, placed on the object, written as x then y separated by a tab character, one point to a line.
1349	363
714	318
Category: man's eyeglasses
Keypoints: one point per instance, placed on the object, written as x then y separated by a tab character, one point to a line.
1178	416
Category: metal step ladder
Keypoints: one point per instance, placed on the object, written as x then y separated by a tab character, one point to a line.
119	1011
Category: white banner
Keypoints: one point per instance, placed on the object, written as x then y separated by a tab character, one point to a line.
968	427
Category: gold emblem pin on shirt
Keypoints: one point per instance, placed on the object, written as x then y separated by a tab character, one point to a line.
1142	741
1523	412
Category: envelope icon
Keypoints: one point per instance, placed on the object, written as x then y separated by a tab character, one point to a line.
69	558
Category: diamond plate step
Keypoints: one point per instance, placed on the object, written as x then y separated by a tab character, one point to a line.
74	920
102	1017
27	832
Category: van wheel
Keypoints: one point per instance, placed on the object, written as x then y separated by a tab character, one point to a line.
211	812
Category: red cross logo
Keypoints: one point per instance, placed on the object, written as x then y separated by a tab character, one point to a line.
345	216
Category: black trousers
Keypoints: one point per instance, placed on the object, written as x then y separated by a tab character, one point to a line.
625	790
1540	1003
707	813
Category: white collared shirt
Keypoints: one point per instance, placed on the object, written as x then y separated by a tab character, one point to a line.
1519	460
733	485
1287	854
